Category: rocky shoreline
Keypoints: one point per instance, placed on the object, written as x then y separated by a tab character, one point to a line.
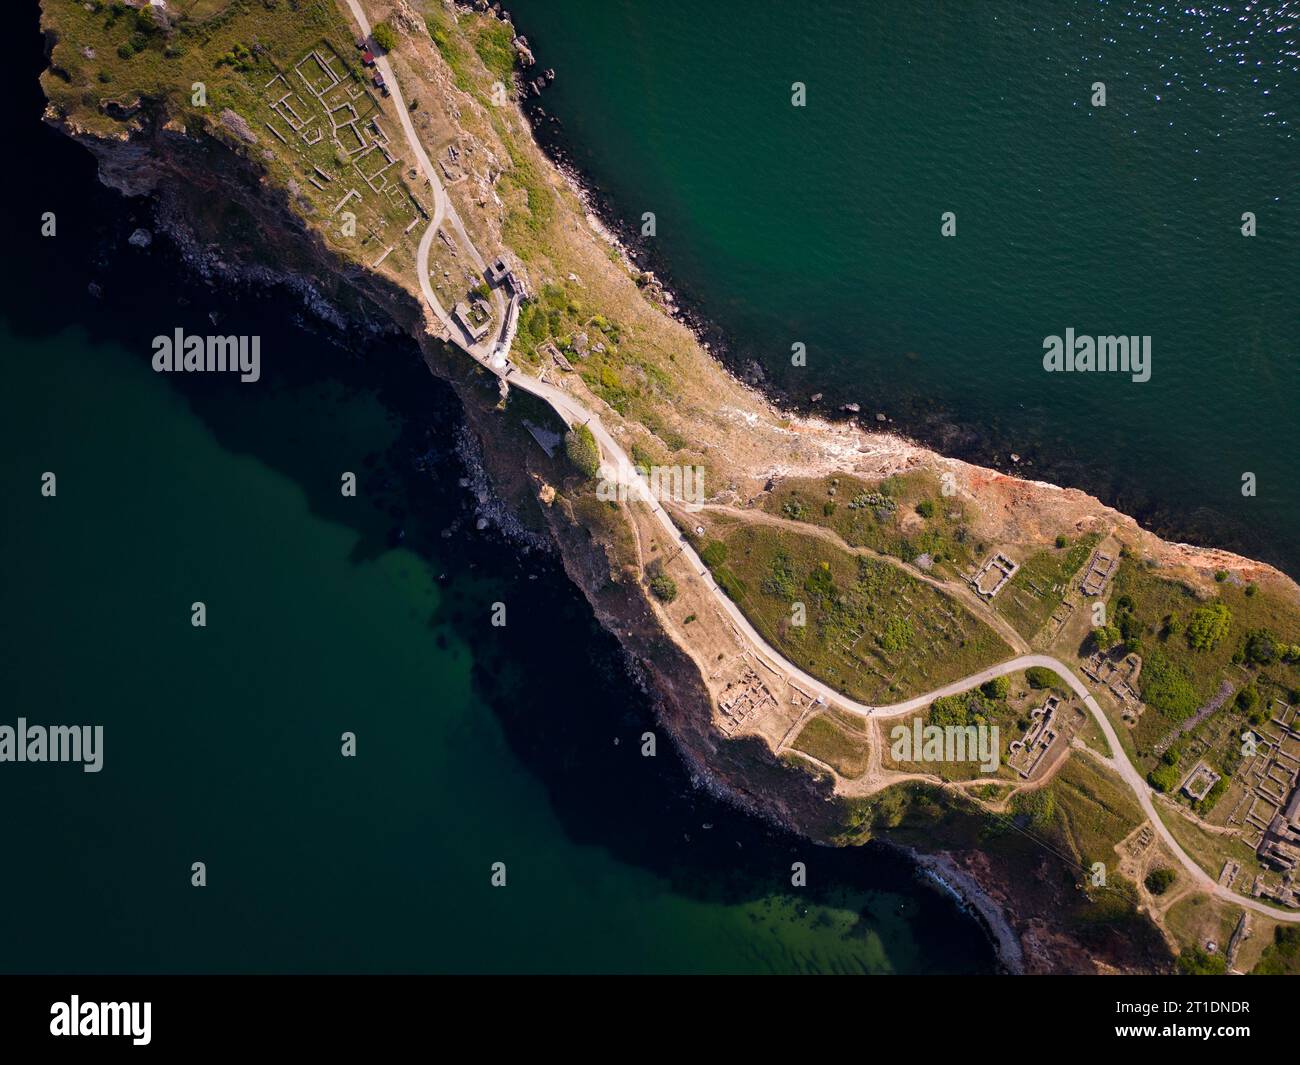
942	871
942	435
743	776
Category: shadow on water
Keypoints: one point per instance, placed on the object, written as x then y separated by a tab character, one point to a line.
578	729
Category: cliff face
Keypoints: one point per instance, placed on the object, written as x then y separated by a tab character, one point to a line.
235	221
184	174
232	224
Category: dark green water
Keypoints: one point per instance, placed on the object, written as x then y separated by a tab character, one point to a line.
822	224
221	744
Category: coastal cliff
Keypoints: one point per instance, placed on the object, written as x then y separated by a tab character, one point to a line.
220	191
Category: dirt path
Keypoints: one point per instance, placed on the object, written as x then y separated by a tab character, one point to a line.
572	411
958	590
443	208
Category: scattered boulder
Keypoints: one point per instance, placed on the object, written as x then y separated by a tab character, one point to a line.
236	124
406	20
525	53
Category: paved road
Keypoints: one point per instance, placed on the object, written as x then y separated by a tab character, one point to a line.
443	208
574	412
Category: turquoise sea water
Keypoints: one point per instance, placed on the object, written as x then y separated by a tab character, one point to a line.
325	614
222	745
821	224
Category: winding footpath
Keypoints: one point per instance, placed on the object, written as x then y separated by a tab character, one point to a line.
496	358
963	595
443	208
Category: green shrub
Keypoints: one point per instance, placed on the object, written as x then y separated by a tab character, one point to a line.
1159	881
1196	962
1282	956
1164	777
948	710
580	446
897	635
1039	806
1208	625
820	582
1205	805
1261	648
1167	687
1105	637
384	36
1042	677
779	582
662	585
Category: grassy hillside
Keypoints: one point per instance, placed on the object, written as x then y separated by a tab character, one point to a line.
245	72
868	628
1191	645
905	516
